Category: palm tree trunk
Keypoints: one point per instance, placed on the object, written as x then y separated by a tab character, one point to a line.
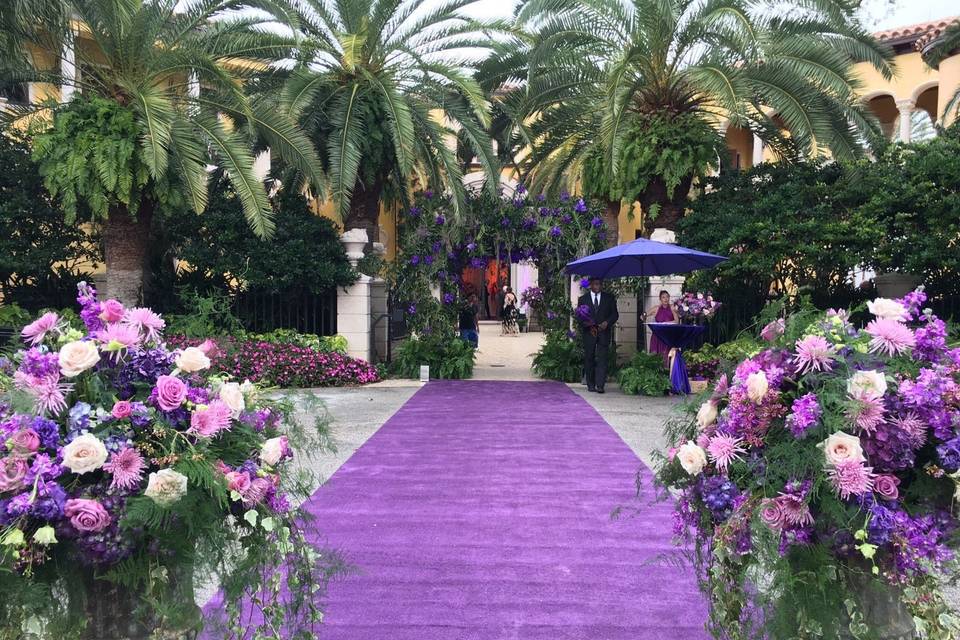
126	247
611	216
662	209
365	210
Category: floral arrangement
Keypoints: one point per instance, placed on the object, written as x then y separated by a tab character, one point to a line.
582	314
281	365
696	308
532	297
129	464
821	478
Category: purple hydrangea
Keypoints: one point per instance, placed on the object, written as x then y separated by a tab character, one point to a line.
949	454
719	494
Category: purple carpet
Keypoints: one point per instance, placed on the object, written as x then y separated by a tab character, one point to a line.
482	511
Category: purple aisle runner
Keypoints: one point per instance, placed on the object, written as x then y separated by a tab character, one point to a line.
482	511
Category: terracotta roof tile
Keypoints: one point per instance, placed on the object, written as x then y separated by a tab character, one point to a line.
920	33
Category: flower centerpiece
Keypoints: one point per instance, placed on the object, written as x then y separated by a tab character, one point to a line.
125	467
696	308
818	483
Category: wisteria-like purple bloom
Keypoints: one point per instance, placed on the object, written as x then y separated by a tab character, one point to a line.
804	415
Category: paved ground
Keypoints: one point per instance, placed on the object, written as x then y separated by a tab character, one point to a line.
505	357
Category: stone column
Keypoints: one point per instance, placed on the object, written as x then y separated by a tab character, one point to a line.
757	150
625	333
673	284
355	303
906	119
68	69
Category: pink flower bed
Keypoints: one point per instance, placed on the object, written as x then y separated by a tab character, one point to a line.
282	365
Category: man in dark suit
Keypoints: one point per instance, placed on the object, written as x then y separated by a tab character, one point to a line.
597	333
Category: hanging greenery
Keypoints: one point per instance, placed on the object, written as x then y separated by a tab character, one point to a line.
434	247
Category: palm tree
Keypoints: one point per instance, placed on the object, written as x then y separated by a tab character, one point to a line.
943	47
162	96
386	93
633	74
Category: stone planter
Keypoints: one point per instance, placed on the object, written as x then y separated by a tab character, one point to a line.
896	285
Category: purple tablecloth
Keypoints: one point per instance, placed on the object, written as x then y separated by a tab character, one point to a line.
678	336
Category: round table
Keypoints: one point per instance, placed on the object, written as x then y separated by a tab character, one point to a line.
679	337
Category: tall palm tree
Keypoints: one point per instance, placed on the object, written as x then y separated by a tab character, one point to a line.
384	96
162	93
943	47
625	64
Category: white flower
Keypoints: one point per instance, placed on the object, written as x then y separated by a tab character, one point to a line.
232	395
886	308
192	359
692	458
871	384
707	415
166	486
84	453
842	447
76	357
757	386
273	449
45	536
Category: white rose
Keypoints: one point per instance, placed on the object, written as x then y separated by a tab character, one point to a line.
77	357
232	396
192	359
272	450
707	415
871	384
886	308
757	386
166	486
841	447
692	458
84	453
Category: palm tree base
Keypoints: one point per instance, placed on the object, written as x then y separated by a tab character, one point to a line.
126	246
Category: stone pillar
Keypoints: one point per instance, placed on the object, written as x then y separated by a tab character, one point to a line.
906	119
68	69
757	150
625	333
672	284
355	303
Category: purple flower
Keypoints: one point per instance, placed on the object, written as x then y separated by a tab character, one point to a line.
564	196
585	283
449	298
542	197
471	246
521	190
580	207
805	413
428	260
440	219
505	222
555	232
949	454
529	223
414	259
412	309
718	494
597	222
566	219
428	194
415	211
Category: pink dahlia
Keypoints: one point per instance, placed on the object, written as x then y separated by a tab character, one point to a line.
914	427
36	331
866	411
723	450
795	509
145	321
117	337
127	467
851	478
208	421
890	337
814	353
49	394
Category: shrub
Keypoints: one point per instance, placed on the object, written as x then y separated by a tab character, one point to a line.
284	365
644	375
325	344
561	358
448	358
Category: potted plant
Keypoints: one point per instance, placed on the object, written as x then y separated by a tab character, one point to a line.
817	484
125	467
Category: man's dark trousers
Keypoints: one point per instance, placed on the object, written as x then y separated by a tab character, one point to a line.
596	348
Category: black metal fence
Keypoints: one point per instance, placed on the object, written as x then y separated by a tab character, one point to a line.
306	312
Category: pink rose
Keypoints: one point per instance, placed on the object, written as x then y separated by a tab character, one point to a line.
773	330
171	392
122	409
12	472
25	441
772	514
885	486
209	348
238	481
111	311
87	516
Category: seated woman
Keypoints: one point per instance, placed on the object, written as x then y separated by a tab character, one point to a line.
663	312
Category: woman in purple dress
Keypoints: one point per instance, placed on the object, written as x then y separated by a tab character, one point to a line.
663	312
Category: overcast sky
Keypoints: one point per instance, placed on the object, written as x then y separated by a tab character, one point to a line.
878	14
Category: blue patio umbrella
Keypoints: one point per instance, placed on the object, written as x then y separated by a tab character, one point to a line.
643	257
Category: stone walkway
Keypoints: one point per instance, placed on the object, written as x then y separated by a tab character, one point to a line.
505	357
